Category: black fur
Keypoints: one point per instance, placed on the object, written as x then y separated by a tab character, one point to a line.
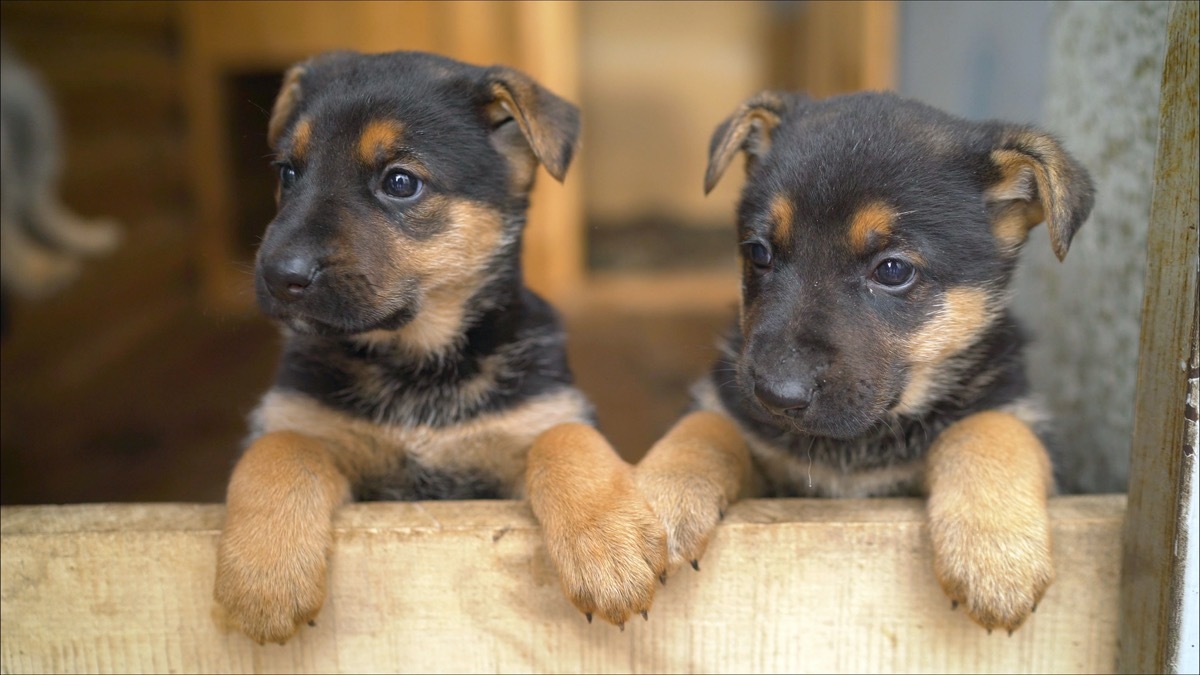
525	334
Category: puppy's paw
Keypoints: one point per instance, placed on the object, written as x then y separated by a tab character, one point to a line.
610	556
997	570
690	477
609	548
269	587
689	508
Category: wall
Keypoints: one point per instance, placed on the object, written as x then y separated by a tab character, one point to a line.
1103	79
1089	73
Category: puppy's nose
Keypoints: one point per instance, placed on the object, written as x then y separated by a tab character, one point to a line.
289	278
786	398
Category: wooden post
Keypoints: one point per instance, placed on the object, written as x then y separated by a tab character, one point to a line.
1161	464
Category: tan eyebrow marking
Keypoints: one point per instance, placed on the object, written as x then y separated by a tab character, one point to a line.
782	216
376	137
300	138
871	223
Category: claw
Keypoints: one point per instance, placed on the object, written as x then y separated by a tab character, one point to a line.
621	626
663	578
645	615
1010	632
312	622
696	565
953	605
989	631
589	616
720	513
1034	610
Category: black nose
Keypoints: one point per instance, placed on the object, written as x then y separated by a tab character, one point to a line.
788	397
289	278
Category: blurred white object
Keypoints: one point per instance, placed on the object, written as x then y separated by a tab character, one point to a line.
42	242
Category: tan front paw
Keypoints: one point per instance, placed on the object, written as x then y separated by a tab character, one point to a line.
611	559
268	587
607	545
997	571
689	508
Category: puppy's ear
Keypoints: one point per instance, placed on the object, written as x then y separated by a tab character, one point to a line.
748	128
297	79
289	97
549	124
1038	180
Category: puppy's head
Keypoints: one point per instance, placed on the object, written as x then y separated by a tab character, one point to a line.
403	184
878	236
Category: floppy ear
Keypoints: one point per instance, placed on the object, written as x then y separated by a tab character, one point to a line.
748	128
1043	182
285	103
549	124
291	92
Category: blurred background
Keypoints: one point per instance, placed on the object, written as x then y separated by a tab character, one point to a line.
133	379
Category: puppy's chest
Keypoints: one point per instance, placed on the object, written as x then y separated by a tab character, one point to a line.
480	457
804	466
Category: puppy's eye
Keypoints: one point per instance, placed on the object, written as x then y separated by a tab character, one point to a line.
287	176
758	254
401	184
894	272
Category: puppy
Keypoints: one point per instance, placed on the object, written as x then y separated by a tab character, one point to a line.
875	353
416	365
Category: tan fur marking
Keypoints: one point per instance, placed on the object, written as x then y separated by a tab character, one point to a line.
271	561
608	546
690	476
469	241
782	216
377	138
870	225
964	315
301	137
988	478
495	444
1018	184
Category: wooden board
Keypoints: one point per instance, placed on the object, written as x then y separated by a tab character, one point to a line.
787	586
1161	466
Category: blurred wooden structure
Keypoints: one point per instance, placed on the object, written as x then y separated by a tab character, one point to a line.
228	39
787	586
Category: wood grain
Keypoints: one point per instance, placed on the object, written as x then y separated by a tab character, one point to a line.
1161	464
786	586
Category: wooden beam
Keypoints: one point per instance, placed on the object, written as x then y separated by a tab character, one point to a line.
1162	464
786	586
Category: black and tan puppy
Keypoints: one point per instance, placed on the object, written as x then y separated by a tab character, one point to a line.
416	364
875	353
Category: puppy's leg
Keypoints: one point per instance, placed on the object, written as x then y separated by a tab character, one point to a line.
278	534
988	478
608	547
690	476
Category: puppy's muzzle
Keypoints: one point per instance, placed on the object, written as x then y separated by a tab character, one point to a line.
785	397
290	278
